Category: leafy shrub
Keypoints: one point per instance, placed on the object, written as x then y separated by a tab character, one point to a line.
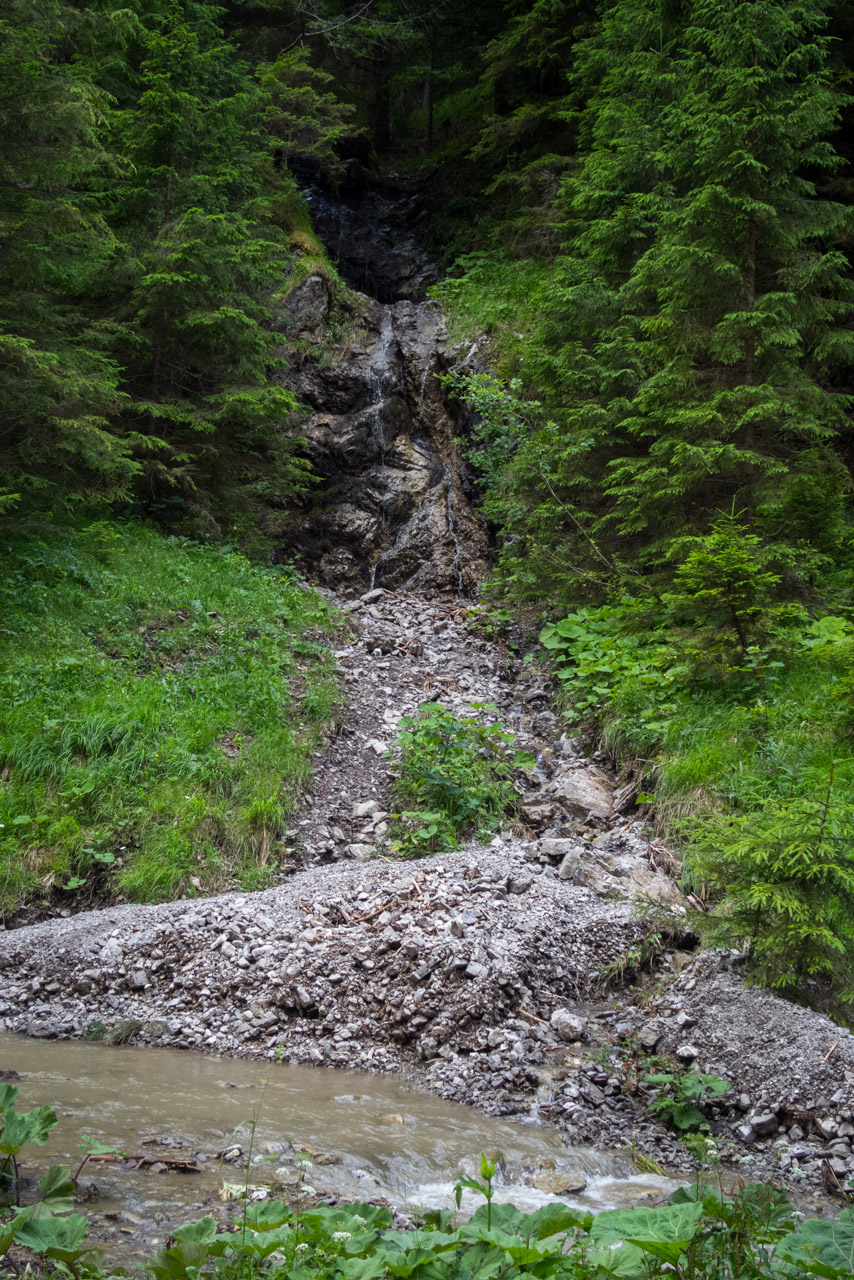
47	1226
453	777
700	1234
600	652
681	1098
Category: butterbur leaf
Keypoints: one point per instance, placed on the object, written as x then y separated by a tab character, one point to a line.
362	1268
94	1147
182	1260
57	1190
268	1214
664	1232
628	1262
8	1095
552	1220
30	1126
201	1232
502	1217
60	1238
8	1230
439	1220
822	1247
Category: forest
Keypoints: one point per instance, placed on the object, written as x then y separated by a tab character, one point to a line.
641	209
629	327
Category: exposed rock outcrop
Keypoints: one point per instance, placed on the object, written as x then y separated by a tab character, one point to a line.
394	509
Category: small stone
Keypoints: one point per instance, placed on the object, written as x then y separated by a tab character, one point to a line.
796	1133
371	597
569	865
366	809
684	1020
687	1052
520	883
649	1036
361	852
745	1132
560	1184
569	1026
378	747
827	1127
139	981
763	1122
592	1093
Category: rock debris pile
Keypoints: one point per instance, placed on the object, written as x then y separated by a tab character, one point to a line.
477	974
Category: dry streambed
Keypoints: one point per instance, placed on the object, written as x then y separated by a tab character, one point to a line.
476	974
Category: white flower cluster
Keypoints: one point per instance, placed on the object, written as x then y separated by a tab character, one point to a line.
342	1235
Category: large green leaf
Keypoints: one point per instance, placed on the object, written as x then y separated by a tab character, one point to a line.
821	1247
268	1214
23	1127
61	1238
9	1229
8	1094
664	1232
182	1260
552	1220
627	1261
363	1268
201	1232
502	1217
57	1191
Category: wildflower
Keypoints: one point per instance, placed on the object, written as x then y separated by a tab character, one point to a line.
359	1222
302	1248
342	1235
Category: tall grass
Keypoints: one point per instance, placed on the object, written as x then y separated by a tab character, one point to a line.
159	702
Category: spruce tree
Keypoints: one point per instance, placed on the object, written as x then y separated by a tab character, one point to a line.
587	359
694	323
207	413
746	288
58	383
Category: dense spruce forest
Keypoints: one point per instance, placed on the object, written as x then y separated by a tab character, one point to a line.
643	214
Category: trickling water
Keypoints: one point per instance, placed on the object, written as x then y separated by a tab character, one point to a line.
378	372
457	562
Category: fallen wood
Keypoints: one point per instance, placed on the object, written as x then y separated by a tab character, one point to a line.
132	1163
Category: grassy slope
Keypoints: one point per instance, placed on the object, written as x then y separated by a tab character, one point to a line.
159	703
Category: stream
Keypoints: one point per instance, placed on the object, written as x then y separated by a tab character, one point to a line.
364	1136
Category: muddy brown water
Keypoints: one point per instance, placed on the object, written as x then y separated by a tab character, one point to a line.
387	1140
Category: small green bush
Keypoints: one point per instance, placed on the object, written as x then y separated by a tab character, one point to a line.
783	878
453	779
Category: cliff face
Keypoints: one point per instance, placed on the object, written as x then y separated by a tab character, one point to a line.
394	506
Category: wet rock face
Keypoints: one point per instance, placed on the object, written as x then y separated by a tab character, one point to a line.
372	237
394	508
394	505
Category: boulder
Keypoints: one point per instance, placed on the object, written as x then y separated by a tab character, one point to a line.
569	1026
584	790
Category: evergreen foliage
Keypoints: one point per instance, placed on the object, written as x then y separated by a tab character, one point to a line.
59	386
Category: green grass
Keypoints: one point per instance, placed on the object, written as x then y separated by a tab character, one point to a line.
159	703
495	295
